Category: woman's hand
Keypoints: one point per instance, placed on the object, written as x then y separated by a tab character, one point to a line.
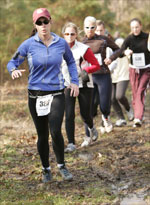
128	52
74	89
17	73
85	77
107	61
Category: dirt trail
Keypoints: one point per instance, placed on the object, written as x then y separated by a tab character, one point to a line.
118	162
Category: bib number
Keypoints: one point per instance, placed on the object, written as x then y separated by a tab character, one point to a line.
138	59
43	104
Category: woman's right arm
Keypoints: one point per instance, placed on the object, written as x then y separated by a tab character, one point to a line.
117	52
125	47
17	59
17	73
74	81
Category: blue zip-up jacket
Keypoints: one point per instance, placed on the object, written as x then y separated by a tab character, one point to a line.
45	71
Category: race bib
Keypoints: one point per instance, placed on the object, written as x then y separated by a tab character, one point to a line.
43	104
99	58
138	59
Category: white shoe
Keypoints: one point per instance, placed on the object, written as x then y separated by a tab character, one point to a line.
107	124
137	122
121	122
102	130
70	148
93	133
130	114
86	142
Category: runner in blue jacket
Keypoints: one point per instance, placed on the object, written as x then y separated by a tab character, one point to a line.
44	52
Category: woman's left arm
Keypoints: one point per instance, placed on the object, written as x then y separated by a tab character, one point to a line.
90	58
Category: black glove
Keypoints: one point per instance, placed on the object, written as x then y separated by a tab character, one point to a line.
85	77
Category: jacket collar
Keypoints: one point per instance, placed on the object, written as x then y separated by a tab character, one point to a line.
55	37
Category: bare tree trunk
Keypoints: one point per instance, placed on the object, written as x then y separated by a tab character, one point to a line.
1	73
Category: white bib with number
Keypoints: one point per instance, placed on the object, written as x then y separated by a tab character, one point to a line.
138	59
43	104
99	58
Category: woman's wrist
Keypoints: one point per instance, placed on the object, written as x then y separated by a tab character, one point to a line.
13	69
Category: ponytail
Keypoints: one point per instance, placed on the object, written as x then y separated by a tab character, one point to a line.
33	32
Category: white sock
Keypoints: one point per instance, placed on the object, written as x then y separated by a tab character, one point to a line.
60	165
47	168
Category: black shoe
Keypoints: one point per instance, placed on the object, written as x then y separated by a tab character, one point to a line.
66	175
93	134
46	175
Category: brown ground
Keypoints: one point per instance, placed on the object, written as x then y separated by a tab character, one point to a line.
118	162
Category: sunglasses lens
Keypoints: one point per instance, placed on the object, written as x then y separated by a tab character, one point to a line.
69	34
46	22
90	27
39	23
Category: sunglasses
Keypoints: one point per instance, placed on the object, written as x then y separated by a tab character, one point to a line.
69	34
91	28
40	23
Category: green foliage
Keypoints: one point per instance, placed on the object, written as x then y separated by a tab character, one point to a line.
77	10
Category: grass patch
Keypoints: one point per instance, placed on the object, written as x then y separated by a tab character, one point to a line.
147	144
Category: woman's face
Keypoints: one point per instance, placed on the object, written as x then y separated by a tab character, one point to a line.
43	26
136	28
89	29
70	35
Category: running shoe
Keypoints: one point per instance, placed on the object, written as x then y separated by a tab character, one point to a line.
86	142
107	124
70	148
130	114
66	175
46	175
137	122
93	134
121	122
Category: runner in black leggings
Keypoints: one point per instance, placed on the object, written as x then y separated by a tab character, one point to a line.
51	122
44	51
86	63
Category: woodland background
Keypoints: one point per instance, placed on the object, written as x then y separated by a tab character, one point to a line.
16	20
114	170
